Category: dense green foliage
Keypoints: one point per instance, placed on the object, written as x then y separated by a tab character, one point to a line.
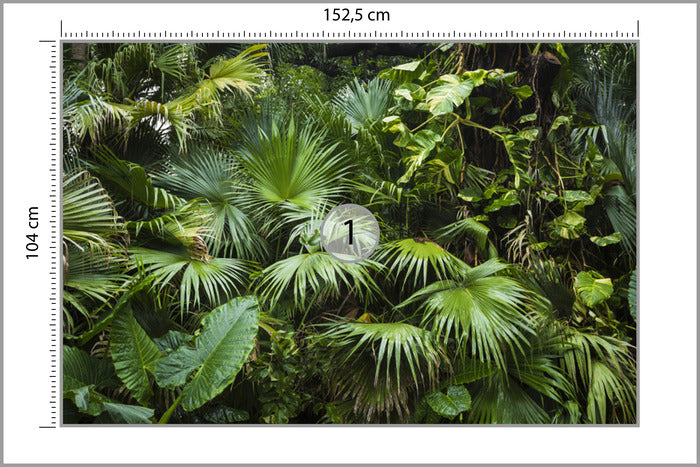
196	177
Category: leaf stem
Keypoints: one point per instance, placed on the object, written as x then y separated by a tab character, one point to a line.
168	413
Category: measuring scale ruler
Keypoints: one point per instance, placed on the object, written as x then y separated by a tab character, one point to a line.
34	36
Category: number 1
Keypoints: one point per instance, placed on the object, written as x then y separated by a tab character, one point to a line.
349	224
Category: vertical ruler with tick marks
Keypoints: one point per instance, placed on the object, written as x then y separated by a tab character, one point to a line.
51	48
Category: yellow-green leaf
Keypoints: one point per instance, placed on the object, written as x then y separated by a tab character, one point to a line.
592	290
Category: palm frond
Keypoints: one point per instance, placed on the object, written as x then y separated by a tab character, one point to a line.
364	106
505	402
604	374
622	212
466	227
316	276
368	364
608	388
213	175
482	310
289	169
89	216
419	259
212	282
92	116
185	226
131	181
90	281
241	72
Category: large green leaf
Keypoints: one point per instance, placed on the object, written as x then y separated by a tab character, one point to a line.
408	94
608	239
479	76
456	401
576	196
220	350
171	341
421	144
568	226
592	290
86	399
509	198
81	369
523	92
132	414
134	354
82	375
405	73
452	93
393	124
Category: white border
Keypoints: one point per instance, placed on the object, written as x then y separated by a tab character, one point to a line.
667	277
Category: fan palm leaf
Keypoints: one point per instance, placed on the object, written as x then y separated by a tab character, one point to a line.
212	175
368	365
604	375
364	105
289	169
480	309
90	281
505	401
89	216
316	275
530	385
215	280
419	259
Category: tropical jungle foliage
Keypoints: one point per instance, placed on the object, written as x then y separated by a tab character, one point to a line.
196	177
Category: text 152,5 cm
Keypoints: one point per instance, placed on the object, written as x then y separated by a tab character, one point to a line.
346	14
